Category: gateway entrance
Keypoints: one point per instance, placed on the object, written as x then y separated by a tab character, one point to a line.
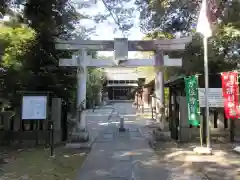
120	46
119	93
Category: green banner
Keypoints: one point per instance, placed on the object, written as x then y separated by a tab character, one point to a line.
191	88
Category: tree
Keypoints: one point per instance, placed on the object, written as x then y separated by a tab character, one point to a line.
29	52
150	72
49	19
181	16
95	80
15	41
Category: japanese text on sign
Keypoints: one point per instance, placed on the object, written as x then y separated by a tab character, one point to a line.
191	88
230	93
215	97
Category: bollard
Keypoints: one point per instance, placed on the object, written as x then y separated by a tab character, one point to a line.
137	103
152	110
93	106
122	129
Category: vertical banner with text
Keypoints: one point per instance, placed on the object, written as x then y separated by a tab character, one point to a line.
191	88
230	94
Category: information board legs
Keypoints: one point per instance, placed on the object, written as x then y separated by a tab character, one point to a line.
51	138
36	131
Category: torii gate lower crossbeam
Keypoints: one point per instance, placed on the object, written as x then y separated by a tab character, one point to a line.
167	62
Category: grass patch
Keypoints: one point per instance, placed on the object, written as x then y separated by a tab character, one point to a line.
36	164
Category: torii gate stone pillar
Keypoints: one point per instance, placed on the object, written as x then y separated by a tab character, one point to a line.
159	90
80	132
82	73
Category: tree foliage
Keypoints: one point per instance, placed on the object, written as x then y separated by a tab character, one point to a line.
95	80
29	59
15	42
170	17
123	14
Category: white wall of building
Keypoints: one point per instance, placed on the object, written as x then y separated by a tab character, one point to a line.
121	73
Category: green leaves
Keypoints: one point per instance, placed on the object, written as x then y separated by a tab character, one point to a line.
15	43
29	59
94	84
168	17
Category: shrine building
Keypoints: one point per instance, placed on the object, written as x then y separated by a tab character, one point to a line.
121	82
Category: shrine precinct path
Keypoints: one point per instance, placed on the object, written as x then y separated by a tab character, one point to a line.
124	155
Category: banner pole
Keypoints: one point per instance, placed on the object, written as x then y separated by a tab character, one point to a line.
206	91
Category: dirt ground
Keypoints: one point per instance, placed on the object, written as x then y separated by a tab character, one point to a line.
36	164
224	164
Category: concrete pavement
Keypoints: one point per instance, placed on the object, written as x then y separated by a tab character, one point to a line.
124	155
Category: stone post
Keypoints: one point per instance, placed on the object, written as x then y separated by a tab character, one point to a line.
56	118
17	120
6	120
184	130
156	94
153	101
100	97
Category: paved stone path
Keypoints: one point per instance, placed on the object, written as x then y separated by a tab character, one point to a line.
125	155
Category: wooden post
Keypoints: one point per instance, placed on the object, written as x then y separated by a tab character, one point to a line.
137	98
170	108
232	129
151	105
204	126
174	132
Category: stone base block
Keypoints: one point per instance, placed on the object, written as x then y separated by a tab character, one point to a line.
162	135
79	136
122	130
80	145
237	149
203	151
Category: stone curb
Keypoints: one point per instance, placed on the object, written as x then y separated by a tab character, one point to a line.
141	132
81	145
236	149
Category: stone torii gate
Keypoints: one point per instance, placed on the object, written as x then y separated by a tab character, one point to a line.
121	46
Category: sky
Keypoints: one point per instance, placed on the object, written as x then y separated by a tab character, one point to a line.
105	30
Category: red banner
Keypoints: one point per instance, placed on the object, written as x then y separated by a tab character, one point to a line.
230	94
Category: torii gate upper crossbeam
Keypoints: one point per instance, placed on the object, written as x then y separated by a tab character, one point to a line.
139	45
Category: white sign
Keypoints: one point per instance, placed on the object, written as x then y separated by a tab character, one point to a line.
172	62
34	107
120	49
215	98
